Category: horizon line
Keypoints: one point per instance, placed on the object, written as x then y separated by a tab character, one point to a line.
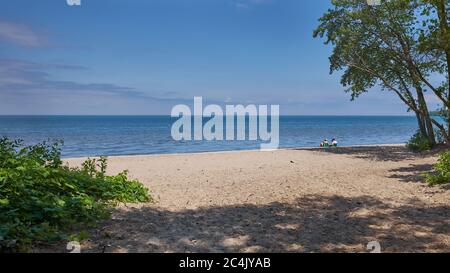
162	115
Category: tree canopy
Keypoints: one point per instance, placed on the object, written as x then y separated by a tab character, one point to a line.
400	45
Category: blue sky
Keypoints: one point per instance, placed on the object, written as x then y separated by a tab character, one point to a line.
140	57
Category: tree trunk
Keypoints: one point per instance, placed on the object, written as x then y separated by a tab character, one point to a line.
426	116
421	123
443	25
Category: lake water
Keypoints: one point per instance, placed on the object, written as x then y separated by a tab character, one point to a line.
131	135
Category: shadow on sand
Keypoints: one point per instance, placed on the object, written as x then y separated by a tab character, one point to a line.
413	173
311	224
379	153
383	153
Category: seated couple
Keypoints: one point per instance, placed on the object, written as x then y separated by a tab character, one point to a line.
326	144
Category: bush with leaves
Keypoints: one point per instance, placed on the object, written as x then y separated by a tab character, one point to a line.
42	200
419	143
441	171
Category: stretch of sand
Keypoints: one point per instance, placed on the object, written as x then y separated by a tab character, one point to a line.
280	201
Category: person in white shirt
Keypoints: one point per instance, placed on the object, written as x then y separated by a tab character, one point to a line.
334	143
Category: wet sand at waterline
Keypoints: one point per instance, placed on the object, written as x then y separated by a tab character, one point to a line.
331	200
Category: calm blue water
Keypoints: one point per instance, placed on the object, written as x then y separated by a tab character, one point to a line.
130	135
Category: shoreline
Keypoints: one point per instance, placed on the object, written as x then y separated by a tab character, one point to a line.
237	151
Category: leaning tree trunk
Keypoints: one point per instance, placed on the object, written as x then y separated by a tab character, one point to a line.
426	116
443	25
421	123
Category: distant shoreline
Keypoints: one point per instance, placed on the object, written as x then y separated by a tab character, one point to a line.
240	151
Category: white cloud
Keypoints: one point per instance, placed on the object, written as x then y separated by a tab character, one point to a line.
241	5
244	4
20	35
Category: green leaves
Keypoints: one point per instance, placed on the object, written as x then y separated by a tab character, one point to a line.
42	200
403	46
441	171
418	143
4	202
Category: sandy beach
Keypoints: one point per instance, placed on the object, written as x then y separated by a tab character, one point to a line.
333	200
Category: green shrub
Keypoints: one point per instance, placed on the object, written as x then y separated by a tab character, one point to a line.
42	200
441	171
418	143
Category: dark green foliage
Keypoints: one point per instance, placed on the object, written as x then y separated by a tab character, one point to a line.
419	143
42	200
400	46
441	174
